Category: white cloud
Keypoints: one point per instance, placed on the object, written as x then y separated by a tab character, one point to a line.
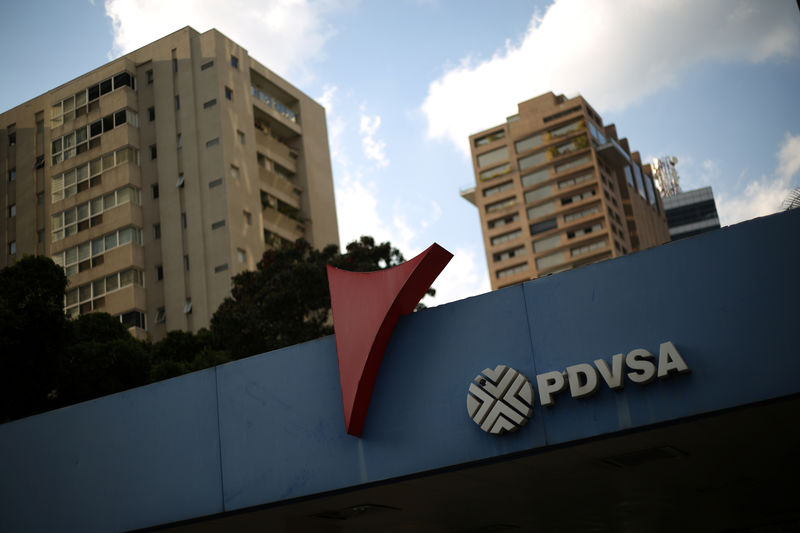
284	35
374	149
789	157
462	277
765	196
614	53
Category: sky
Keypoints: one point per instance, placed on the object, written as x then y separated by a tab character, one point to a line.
405	82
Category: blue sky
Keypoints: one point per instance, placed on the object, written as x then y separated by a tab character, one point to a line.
405	82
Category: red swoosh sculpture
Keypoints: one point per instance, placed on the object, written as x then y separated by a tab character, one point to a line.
366	307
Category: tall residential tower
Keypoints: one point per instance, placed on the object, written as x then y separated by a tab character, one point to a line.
157	177
556	189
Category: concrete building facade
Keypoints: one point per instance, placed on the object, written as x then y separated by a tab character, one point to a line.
157	177
557	189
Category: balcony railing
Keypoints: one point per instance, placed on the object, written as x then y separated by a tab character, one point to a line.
281	108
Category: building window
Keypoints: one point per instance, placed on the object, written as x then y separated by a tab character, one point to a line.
492	158
240	136
90	214
210	103
551	260
220	268
154	188
588	248
578	197
234	172
39	162
12	138
547	243
235	62
12	174
149	76
248	218
86	137
159	272
77	258
543	226
177	102
511	270
40	236
180	181
89	174
218	224
156	231
228	93
212	142
151	113
186	262
491	191
12	248
153	151
207	65
500	222
39	198
505	237
508	254
12	210
183	220
495	172
161	315
486	139
502	204
178	140
215	183
241	255
132	319
174	64
187	307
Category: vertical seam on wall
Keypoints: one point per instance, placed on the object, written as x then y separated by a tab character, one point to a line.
532	379
219	440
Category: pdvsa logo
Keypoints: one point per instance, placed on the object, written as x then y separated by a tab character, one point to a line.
501	400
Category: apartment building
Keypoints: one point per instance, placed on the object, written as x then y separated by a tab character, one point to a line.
557	189
691	213
157	177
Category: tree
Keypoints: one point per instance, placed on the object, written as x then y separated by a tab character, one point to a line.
792	201
181	352
33	333
101	358
285	300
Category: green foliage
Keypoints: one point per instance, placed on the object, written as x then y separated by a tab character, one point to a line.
101	358
48	361
286	300
33	332
181	352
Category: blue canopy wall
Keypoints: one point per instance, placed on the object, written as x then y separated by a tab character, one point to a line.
270	427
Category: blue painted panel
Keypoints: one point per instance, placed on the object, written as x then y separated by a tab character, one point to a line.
281	413
418	417
134	459
282	426
727	299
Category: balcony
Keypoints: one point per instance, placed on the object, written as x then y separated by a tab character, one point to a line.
279	114
282	186
282	224
276	150
468	194
613	153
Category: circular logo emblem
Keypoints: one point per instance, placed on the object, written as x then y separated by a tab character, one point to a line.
500	400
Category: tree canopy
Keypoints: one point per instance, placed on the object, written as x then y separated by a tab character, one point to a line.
286	300
48	361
